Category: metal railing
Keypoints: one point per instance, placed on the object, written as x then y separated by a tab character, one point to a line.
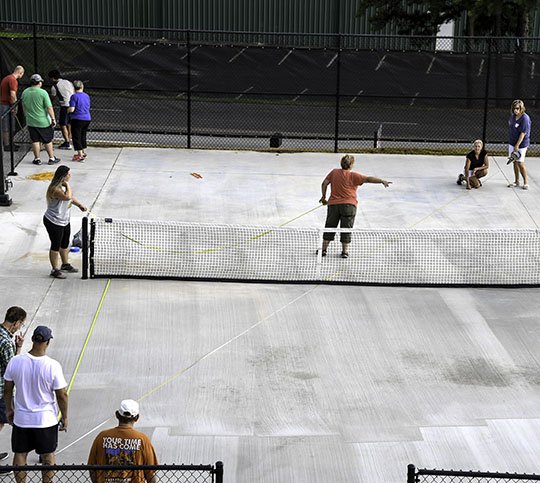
422	475
134	473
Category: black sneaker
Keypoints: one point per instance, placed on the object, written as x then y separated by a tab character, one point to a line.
4	456
68	267
57	274
37	161
64	145
344	255
460	179
54	160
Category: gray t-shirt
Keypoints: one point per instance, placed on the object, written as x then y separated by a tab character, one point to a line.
58	212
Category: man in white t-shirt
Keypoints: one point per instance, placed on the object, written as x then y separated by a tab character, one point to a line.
63	90
41	393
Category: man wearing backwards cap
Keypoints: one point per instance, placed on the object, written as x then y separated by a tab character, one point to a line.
41	391
123	446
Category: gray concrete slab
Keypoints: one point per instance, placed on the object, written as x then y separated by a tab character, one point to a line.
287	382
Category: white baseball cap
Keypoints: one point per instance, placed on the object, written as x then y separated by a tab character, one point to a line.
129	408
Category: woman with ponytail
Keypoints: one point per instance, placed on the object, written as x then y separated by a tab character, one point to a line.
57	221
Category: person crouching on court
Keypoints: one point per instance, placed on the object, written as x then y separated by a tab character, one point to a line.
343	201
57	221
476	166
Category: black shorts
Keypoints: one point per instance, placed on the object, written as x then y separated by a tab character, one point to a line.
3	411
41	134
42	440
58	234
63	119
343	215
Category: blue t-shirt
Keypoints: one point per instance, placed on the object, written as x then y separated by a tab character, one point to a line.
516	127
81	102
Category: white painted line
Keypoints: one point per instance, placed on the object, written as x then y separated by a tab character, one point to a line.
237	55
286	55
430	65
380	62
414	99
140	50
247	90
298	97
356	97
480	68
331	61
380	122
533	65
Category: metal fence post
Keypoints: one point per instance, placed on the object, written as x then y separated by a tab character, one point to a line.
188	89
219	472
34	39
486	93
5	200
411	474
338	92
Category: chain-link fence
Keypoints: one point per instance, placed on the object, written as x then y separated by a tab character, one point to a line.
417	475
114	474
246	90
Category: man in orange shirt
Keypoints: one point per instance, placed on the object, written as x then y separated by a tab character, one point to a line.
8	97
343	201
123	446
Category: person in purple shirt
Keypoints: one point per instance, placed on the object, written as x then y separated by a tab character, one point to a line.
79	108
519	131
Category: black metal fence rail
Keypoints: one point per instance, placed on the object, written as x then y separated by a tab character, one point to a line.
13	153
134	473
422	475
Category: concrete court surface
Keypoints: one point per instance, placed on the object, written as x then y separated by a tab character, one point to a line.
285	383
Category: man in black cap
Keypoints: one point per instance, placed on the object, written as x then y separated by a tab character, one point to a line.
40	385
10	346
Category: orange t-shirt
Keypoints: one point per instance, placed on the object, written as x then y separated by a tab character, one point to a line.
343	184
122	446
8	84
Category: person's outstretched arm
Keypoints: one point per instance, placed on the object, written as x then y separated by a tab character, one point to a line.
373	179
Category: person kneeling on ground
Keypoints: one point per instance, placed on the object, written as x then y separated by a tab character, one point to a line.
476	166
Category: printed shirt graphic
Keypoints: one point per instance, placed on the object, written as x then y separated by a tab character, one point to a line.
122	447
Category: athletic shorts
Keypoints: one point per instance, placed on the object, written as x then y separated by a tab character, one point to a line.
41	134
58	234
522	151
63	119
343	215
42	440
3	412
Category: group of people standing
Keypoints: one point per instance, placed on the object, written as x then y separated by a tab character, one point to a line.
38	409
74	114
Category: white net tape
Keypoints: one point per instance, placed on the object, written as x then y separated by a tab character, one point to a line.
130	248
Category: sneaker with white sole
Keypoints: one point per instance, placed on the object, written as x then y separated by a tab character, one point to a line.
4	456
513	185
525	186
64	145
460	179
54	160
37	161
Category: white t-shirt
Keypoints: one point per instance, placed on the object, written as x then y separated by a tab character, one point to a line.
63	90
36	379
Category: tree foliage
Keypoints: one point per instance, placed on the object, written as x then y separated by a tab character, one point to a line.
484	17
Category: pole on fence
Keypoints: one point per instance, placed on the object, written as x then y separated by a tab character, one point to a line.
5	200
188	39
11	146
34	38
411	474
338	91
486	93
219	472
